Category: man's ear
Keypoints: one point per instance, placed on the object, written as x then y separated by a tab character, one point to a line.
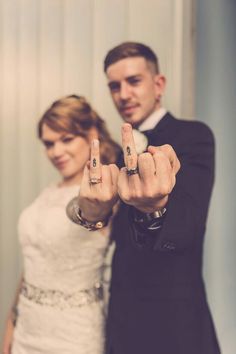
160	83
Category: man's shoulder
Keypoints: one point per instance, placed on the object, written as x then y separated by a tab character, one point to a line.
189	128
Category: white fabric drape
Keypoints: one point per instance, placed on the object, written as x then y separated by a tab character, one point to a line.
50	48
216	105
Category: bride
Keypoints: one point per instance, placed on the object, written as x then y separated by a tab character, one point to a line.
59	305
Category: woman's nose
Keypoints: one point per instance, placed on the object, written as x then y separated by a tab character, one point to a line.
58	149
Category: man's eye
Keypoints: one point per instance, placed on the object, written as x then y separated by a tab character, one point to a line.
134	81
114	87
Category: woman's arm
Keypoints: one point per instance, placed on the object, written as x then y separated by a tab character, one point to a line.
11	322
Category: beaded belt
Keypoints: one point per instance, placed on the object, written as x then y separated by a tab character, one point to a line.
59	299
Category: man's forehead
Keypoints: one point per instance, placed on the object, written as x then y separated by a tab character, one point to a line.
127	67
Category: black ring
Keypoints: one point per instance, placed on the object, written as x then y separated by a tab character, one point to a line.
132	171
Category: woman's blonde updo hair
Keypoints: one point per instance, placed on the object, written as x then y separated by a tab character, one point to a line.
74	115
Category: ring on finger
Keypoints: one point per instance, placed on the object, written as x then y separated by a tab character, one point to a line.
132	171
95	180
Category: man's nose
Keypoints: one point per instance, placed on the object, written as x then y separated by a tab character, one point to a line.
125	91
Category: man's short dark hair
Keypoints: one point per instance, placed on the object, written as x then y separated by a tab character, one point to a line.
131	49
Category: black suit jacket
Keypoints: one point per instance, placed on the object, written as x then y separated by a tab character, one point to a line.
158	303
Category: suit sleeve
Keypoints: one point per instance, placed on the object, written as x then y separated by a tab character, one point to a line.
187	208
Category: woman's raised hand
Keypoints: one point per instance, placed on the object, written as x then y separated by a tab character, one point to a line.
98	191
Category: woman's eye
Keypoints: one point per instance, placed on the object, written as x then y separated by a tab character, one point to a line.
48	145
68	139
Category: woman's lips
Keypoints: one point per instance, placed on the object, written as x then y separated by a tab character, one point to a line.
60	164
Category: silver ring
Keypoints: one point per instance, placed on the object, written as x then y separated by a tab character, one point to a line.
132	171
95	180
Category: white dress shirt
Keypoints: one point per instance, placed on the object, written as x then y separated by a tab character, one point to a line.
152	120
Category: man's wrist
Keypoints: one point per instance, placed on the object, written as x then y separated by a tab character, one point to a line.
149	221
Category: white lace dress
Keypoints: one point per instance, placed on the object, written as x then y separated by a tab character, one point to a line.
60	311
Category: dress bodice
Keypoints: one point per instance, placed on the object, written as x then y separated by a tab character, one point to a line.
57	253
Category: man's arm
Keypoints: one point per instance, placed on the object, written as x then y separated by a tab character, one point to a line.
186	210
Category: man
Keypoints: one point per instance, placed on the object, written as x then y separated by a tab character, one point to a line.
158	303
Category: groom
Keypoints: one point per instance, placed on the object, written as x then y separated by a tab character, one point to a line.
158	302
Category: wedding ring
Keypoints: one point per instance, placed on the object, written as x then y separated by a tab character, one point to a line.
95	180
132	171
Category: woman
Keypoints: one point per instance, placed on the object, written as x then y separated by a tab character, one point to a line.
59	303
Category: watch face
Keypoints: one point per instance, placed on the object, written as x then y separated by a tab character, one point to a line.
156	214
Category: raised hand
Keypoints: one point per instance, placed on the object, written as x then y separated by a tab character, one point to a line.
148	178
98	191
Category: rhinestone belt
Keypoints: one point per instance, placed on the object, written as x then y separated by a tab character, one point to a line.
59	299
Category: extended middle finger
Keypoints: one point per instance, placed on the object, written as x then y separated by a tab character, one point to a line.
129	150
95	166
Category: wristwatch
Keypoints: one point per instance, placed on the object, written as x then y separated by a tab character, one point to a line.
74	213
150	221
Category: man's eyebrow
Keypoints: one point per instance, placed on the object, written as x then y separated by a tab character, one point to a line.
115	82
133	77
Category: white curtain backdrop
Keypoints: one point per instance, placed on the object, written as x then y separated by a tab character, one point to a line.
51	48
216	105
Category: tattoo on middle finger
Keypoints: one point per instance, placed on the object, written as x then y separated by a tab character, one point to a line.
128	151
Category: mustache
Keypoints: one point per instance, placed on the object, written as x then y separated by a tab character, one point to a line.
124	105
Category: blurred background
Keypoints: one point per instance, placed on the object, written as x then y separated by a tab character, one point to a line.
51	48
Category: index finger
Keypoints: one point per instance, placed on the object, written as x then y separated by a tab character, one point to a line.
95	166
129	150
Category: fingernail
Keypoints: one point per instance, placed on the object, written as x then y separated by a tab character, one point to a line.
95	143
126	127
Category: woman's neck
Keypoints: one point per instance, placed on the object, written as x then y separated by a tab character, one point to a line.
71	181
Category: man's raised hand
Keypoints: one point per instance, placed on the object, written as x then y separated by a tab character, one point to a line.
148	178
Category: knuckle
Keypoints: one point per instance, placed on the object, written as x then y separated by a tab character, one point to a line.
178	165
168	148
166	189
136	195
124	196
104	168
149	193
160	155
113	168
144	158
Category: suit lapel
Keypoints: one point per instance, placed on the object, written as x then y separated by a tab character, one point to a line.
157	136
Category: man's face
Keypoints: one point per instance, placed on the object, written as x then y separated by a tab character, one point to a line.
135	88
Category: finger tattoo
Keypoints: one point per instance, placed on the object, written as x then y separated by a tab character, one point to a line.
94	163
128	151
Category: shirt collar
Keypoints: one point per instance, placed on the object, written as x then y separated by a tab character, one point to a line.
151	121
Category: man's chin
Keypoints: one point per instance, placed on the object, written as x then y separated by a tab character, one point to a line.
132	119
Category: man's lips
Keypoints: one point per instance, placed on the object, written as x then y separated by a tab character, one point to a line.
128	109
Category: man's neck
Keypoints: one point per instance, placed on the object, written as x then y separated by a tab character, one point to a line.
151	121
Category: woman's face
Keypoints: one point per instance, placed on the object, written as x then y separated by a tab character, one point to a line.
67	152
